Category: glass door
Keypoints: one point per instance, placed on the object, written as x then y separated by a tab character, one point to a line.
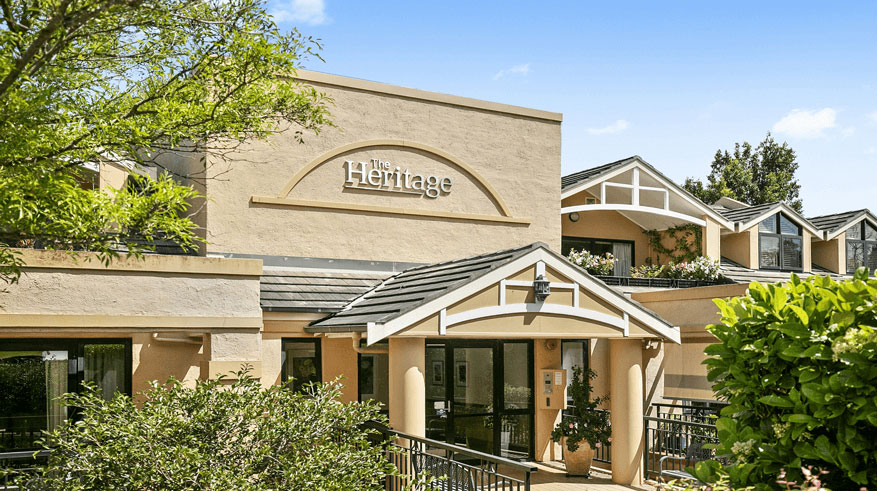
35	372
479	395
472	404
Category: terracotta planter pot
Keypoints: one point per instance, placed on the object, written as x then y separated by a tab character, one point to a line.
578	463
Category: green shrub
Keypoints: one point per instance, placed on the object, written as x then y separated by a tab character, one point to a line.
796	362
586	422
240	436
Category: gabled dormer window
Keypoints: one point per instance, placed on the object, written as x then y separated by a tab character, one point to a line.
861	247
780	244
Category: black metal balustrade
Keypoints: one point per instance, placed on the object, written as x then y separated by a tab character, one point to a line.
451	467
672	444
16	464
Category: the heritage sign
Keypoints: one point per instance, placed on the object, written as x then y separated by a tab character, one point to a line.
379	175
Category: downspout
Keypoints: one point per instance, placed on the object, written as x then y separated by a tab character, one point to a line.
374	350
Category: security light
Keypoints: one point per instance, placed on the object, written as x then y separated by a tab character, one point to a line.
542	288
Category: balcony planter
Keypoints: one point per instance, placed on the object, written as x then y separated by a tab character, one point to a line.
662	282
578	463
687	283
639	281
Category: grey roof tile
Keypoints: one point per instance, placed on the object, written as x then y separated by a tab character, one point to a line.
416	286
287	290
748	213
741	274
577	177
837	221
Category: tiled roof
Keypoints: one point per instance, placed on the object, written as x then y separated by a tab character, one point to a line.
837	220
575	178
741	274
748	213
416	286
285	290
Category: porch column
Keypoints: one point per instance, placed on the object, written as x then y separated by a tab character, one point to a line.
626	405
407	385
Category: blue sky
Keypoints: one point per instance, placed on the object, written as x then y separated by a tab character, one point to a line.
669	81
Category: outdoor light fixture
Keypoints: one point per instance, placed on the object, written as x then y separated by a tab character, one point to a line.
542	288
574	216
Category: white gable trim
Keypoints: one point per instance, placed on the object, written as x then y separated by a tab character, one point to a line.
866	216
797	218
377	332
446	321
653	173
641	209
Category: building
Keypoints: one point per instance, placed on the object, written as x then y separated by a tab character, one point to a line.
417	250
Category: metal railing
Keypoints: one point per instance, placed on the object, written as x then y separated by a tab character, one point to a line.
13	465
691	414
674	444
453	468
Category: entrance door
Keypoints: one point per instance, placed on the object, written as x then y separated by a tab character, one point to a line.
479	395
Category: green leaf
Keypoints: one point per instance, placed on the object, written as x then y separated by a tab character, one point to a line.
776	401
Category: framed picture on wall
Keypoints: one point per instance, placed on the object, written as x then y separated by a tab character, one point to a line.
461	373
438	372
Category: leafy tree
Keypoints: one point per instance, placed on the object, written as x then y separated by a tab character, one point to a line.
586	422
88	81
216	436
797	364
764	174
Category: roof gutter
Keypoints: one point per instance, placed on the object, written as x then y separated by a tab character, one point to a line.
374	350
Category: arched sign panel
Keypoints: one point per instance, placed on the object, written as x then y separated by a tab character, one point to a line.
394	177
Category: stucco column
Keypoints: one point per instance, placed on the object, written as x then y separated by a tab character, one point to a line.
626	405
407	385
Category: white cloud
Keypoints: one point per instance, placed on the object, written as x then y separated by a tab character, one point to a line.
311	12
871	151
873	116
802	123
519	70
615	127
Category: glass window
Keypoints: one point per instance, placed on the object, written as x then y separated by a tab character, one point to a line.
622	250
34	373
768	225
855	255
793	248
301	362
770	251
861	252
788	227
870	232
374	377
780	245
516	389
574	354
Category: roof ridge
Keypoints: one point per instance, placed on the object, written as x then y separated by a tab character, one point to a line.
840	213
591	169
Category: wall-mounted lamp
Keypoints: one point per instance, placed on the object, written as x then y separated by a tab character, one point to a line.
542	288
574	216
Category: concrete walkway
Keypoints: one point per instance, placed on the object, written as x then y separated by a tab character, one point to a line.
552	477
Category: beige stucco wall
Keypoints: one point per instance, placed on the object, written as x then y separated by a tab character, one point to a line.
518	155
692	309
830	254
606	225
711	241
178	312
224	292
742	247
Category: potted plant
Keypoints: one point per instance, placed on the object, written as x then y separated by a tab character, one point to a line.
584	427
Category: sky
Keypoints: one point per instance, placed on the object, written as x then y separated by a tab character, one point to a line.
669	81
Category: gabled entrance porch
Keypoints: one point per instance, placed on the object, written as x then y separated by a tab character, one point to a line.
446	323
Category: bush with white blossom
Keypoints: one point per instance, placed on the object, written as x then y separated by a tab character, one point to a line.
592	263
